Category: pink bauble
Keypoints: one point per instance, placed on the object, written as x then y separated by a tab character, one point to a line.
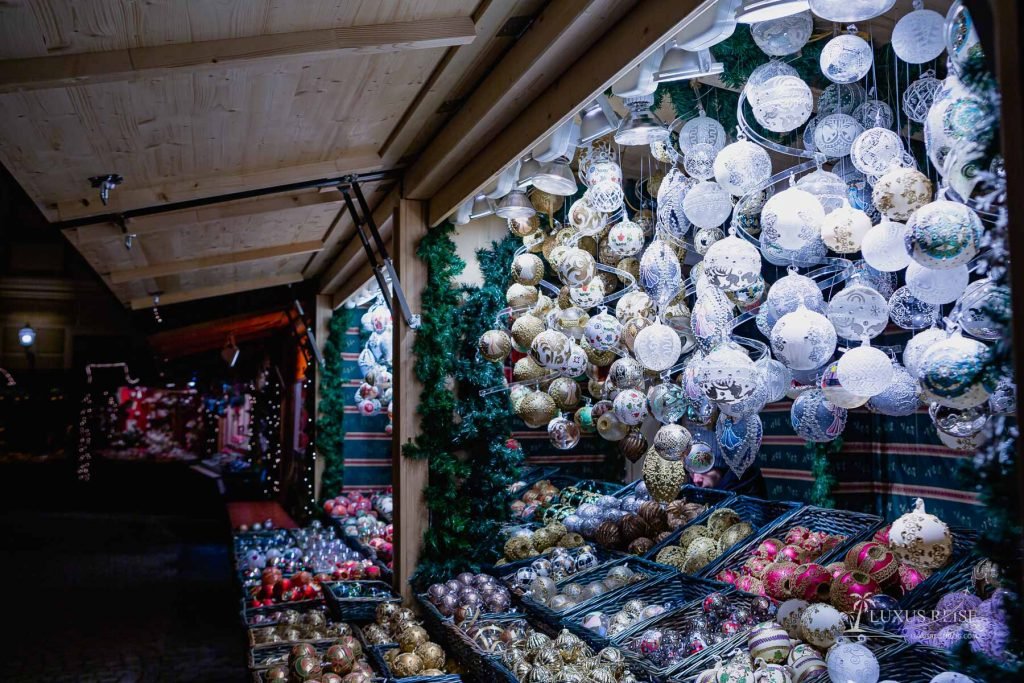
812	583
910	577
728	576
750	584
792	553
882	535
769	549
796	535
755	566
778	579
851	589
876	560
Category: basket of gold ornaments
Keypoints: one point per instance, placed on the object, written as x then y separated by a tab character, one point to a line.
343	661
524	544
292	626
717	532
550	600
559	564
427	662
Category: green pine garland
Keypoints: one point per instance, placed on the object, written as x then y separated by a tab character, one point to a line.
824	481
331	425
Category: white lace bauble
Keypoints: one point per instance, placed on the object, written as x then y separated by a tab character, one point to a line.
742	167
874	114
783	36
900	398
876	150
782	103
918	346
765	72
937	287
732	264
846	58
792	219
727	375
701	130
909	312
943	235
657	347
829	188
845	11
852	662
835	133
671	194
841	98
834	390
901	192
803	339
844	229
918	37
865	370
883	247
699	162
815	418
707	205
660	273
777	378
858	312
625	239
919	96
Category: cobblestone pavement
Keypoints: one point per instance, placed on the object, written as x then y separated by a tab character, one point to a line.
117	597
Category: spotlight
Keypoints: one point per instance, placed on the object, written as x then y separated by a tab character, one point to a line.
641	126
681	65
754	11
27	336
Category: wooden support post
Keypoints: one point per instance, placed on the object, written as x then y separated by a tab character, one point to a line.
409	477
321	326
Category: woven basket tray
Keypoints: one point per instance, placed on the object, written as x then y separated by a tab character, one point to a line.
357	609
956	576
377	653
507	571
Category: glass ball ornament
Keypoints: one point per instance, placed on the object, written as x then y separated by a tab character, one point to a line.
919	36
764	73
874	114
808	135
876	150
846	58
588	295
577	267
883	247
727	375
671	193
815	418
776	377
900	192
846	11
952	371
699	162
909	312
537	409
732	264
742	167
603	331
844	229
792	219
635	304
834	390
783	36
984	310
851	662
918	346
900	398
858	312
829	188
749	298
803	339
841	98
667	402
625	239
792	291
864	370
920	95
711	317
957	115
660	273
920	539
630	407
495	345
782	103
577	364
672	442
626	373
563	433
701	130
943	235
936	287
700	458
571	321
707	205
959	423
835	133
610	428
657	347
528	269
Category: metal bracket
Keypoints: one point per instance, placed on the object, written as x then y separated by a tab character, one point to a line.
129	237
382	271
106	183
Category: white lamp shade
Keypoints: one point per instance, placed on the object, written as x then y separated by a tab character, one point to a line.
679	64
753	11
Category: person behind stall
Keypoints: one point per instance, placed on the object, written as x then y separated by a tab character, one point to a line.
722	478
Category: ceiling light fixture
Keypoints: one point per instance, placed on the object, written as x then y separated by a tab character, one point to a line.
27	336
680	64
515	205
597	119
556	177
527	171
753	11
482	206
641	126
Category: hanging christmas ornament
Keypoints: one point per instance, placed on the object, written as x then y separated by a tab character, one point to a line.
782	104
844	229
707	205
834	390
711	318
750	297
919	96
700	459
588	295
808	135
667	402
495	345
611	428
739	441
630	406
524	329
883	247
816	419
909	312
841	98
635	304
577	363
660	273
776	378
829	188
699	162
961	37
921	540
701	130
537	409
957	118
783	36
984	310
936	287
864	370
671	194
551	349
846	58
626	373
528	269
585	217
571	321
876	150
521	296
672	442
919	36
900	398
835	133
742	167
900	192
577	267
851	662
952	371
657	347
960	423
625	239
858	311
943	235
603	331
727	375
874	114
845	11
732	264
767	71
803	339
563	433
792	291
792	219
663	477
566	393
605	180
918	346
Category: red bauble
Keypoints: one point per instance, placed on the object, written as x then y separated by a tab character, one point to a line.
910	577
769	549
512	444
876	560
792	553
730	627
852	589
778	579
812	583
372	572
302	578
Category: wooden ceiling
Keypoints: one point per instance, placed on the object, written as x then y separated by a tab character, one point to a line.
190	100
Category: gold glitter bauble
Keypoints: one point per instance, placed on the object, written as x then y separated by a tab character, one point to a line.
527	369
516	394
635	304
411	638
601	359
521	296
699	554
521	227
534	242
564	237
692	533
721	519
432	655
407	664
528	269
524	329
549	244
566	393
672	555
537	409
519	548
588	244
545	202
734	534
495	345
663	477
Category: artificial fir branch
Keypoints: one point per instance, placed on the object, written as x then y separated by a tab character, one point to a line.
331	425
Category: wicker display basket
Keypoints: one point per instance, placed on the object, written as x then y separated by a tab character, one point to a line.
955	576
479	665
377	654
507	571
357	609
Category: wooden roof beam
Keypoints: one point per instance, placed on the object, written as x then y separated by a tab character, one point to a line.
214	261
647	26
117	65
181	296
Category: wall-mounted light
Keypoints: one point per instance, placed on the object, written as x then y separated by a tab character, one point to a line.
27	336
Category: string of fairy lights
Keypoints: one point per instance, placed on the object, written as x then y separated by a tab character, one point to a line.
84	464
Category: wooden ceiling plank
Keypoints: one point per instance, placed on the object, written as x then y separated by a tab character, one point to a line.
174	220
215	261
182	296
562	31
127	198
642	30
61	71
